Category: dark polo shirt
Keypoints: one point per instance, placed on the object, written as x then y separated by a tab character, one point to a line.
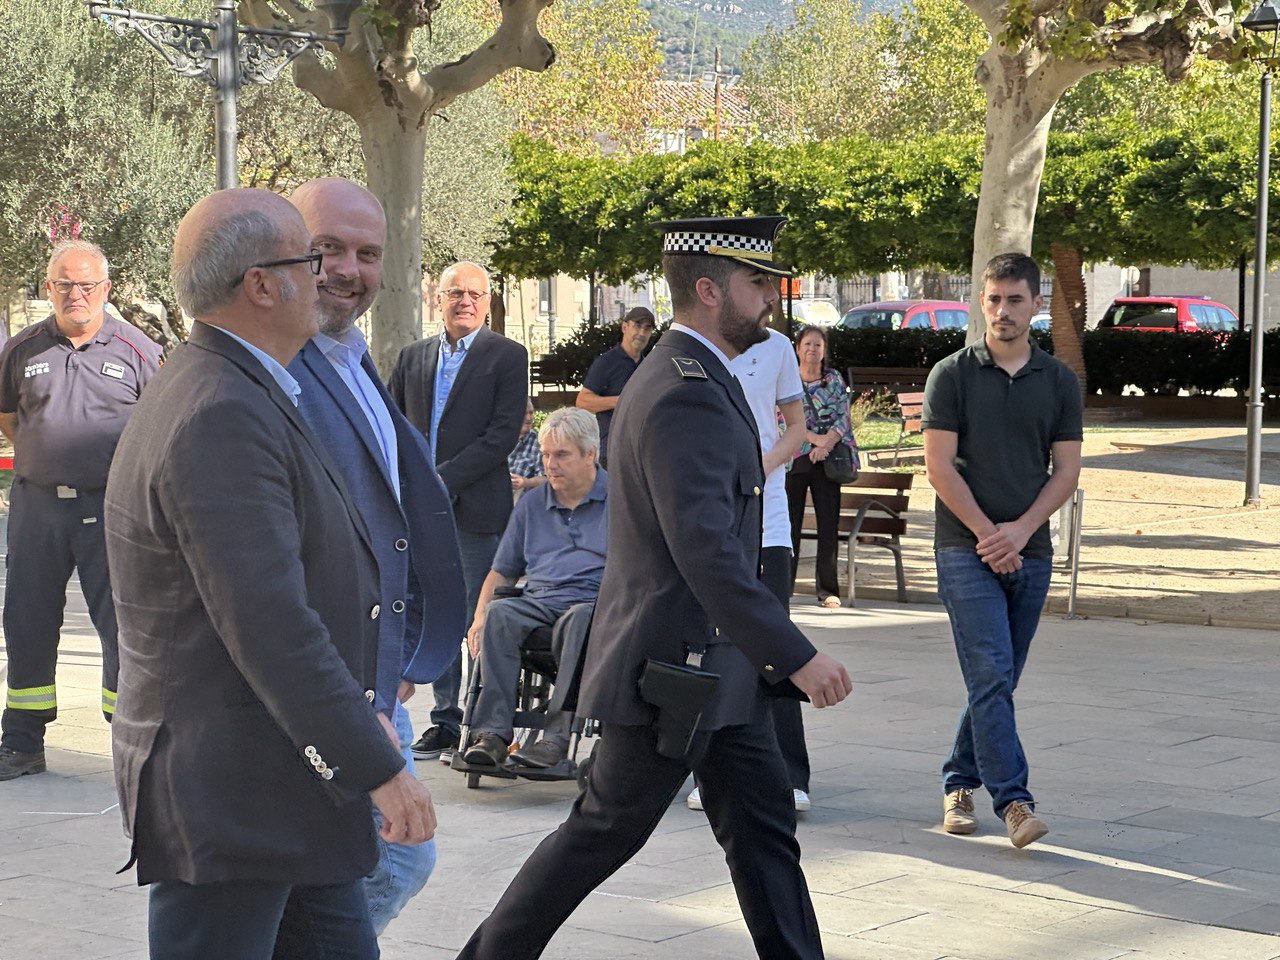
73	402
1006	427
606	377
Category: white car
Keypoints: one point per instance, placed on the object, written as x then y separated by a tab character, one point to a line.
820	312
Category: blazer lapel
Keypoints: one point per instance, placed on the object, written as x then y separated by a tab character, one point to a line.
430	360
331	381
210	338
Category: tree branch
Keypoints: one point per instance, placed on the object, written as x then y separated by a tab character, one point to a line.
516	43
991	13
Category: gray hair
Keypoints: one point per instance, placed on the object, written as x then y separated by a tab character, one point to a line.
208	276
452	268
571	425
64	247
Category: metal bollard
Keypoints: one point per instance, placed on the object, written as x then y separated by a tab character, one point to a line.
1077	514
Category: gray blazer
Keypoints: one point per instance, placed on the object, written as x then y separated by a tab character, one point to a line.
685	481
246	591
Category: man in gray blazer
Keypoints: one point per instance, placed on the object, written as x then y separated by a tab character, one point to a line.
388	470
465	389
247	748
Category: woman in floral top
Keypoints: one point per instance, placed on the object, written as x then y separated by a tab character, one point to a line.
826	410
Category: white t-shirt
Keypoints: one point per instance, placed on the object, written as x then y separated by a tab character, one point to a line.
770	375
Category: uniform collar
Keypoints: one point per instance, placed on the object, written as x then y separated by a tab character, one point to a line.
716	351
104	335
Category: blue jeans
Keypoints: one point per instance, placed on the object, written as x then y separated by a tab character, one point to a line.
993	618
477	550
259	920
402	870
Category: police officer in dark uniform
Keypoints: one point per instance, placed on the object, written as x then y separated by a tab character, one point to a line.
67	386
686	640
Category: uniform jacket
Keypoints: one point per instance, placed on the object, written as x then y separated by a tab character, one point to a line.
480	424
685	481
244	738
414	537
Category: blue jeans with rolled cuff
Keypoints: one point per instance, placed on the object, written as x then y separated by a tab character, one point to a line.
993	618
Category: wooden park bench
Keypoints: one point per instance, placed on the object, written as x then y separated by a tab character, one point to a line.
910	416
886	379
873	513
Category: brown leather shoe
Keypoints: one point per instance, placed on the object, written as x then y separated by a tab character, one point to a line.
957	812
488	749
1023	825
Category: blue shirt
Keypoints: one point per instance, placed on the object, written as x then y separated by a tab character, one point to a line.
446	372
606	377
560	551
345	354
278	373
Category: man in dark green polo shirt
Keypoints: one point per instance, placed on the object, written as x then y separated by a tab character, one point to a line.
995	415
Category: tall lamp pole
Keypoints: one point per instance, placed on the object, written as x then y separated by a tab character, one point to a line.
224	55
1264	18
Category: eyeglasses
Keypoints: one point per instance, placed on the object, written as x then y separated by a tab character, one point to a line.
86	287
312	259
454	294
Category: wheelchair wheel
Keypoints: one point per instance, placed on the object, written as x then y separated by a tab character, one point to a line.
473	781
583	773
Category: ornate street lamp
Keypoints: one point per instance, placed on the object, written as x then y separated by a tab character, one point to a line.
224	55
1264	18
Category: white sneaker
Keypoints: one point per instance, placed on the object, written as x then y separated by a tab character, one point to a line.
802	800
694	799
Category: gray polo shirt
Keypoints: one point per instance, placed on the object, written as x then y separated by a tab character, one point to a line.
1006	426
561	550
72	403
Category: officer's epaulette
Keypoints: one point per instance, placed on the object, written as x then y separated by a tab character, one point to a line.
689	368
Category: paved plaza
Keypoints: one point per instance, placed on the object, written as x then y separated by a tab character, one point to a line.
1155	755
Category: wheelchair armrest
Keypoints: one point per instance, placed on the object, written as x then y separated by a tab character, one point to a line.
503	591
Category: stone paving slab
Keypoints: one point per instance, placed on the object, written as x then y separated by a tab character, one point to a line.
1153	753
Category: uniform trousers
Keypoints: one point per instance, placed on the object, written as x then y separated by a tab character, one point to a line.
747	800
788	721
49	537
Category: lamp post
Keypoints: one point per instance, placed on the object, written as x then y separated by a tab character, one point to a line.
1264	18
224	55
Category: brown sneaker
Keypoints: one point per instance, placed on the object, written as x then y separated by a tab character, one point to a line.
1023	825
957	812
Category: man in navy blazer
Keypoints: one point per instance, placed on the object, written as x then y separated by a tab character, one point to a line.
465	389
388	470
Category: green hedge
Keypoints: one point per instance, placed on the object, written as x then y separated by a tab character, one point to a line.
1155	363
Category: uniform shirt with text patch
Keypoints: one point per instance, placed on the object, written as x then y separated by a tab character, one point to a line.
73	402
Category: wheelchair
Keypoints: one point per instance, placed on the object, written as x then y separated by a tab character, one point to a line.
538	672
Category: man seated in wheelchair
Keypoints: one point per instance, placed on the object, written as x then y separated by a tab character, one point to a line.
556	541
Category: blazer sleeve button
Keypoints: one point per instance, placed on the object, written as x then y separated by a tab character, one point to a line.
397	606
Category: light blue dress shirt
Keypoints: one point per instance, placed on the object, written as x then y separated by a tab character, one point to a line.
345	354
278	373
446	372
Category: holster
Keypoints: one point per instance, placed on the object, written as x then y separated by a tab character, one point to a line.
679	693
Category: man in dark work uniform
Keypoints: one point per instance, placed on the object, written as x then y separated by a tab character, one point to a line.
681	586
68	385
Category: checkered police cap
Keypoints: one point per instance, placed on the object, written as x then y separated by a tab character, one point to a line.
747	240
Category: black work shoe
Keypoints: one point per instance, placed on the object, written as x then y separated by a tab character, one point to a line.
19	763
488	749
542	754
429	745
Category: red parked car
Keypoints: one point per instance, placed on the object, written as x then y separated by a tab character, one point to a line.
1176	313
907	315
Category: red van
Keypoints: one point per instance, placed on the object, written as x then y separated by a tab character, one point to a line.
908	315
1173	313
